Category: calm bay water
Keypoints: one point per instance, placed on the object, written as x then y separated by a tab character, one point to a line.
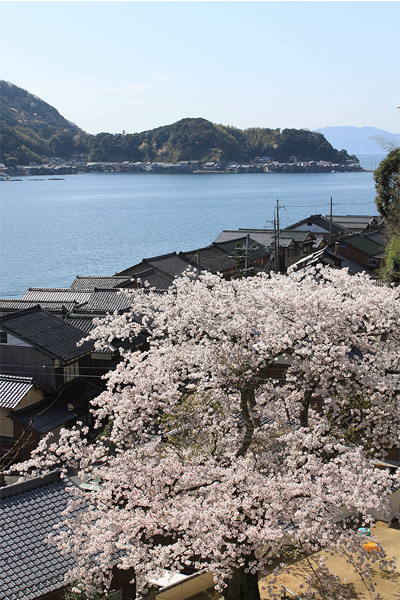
97	224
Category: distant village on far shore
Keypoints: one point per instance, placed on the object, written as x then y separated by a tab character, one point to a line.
77	164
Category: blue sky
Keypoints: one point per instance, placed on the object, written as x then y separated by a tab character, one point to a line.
114	66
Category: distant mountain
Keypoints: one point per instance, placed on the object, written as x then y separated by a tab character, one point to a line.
31	129
357	140
34	131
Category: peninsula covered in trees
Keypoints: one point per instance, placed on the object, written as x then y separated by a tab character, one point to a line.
34	131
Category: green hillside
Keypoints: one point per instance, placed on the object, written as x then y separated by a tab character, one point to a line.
34	131
31	129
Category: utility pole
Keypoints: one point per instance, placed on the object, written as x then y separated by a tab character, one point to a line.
277	236
198	263
330	225
275	246
246	262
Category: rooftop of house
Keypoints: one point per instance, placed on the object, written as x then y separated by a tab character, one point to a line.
47	332
319	221
43	416
8	305
323	256
154	278
108	300
170	264
13	388
361	242
211	258
355	222
265	237
30	566
57	295
94	281
77	391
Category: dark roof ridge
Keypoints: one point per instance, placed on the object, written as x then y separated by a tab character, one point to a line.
160	256
18	313
16	488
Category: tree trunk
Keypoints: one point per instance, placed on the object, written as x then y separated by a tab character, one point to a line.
242	586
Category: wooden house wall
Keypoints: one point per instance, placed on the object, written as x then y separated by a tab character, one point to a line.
28	362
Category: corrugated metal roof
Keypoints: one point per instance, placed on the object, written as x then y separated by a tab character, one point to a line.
13	389
30	567
57	295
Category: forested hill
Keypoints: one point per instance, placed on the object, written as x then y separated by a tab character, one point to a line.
31	129
34	131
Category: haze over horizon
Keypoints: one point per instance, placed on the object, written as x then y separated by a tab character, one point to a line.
133	66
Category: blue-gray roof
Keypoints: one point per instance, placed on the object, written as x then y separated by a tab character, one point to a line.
43	416
29	566
13	388
47	332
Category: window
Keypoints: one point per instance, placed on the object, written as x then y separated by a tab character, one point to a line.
3	337
372	262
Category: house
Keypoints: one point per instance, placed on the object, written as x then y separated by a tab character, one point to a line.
92	282
363	250
30	567
171	264
212	258
15	391
292	244
35	343
320	225
357	223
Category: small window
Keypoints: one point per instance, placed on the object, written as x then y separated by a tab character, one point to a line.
3	337
372	262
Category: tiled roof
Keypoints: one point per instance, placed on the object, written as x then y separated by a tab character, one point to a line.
77	391
322	256
155	278
91	282
262	236
57	295
13	389
318	220
83	321
47	332
362	243
256	250
29	566
108	300
212	259
170	264
43	416
355	222
9	305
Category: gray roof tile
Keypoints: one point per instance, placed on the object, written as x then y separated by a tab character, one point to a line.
47	332
13	389
57	295
93	281
43	416
30	566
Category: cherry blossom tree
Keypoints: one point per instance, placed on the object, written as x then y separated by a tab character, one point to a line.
244	435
